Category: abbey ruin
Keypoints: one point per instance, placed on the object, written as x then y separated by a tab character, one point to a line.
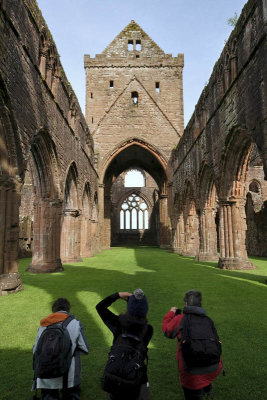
63	191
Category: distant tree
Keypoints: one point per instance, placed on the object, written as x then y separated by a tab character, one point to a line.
233	21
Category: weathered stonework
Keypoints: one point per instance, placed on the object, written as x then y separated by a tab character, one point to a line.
61	175
223	150
43	137
136	120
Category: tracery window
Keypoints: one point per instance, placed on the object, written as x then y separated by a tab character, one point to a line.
134	213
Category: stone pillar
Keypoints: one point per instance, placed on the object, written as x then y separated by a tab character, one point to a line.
10	281
107	222
71	236
104	202
191	235
233	254
85	236
46	236
207	236
178	239
165	229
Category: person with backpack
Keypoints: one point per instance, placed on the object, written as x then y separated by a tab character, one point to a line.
56	354
125	374
198	349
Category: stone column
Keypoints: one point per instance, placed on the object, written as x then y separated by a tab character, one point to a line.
86	236
207	236
106	233
165	229
232	237
191	236
46	236
10	281
71	236
178	235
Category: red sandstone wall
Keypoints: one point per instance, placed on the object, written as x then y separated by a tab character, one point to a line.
228	120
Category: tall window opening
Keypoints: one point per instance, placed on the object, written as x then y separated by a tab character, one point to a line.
134	213
130	45
134	98
157	87
134	178
138	45
111	84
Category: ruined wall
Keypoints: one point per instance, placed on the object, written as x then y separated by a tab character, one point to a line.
213	155
46	121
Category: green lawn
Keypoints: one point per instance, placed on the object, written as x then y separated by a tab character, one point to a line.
236	300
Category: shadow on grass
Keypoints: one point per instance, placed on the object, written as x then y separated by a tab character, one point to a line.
164	277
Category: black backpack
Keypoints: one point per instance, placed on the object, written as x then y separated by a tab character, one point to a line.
126	366
52	357
200	342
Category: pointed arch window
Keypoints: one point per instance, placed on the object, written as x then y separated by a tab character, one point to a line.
134	213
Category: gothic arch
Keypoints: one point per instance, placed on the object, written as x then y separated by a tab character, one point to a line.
11	167
134	153
47	204
191	229
238	146
71	219
126	145
235	159
208	217
46	169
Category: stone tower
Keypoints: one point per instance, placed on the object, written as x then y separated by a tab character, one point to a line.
134	109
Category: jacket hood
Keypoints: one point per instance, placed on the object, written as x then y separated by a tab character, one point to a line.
54	318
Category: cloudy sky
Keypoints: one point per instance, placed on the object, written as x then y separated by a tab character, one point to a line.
197	28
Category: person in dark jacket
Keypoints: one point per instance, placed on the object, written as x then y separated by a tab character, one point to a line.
133	321
195	384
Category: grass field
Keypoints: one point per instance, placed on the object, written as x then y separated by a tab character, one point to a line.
236	300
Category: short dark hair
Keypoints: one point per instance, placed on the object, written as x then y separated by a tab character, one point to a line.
61	304
193	298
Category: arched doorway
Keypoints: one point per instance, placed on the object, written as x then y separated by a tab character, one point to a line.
139	156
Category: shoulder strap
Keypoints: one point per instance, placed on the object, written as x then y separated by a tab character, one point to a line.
67	321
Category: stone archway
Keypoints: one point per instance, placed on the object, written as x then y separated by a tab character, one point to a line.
233	253
191	223
136	154
71	219
208	205
47	205
11	172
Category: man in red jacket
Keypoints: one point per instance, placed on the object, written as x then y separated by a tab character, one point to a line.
196	382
